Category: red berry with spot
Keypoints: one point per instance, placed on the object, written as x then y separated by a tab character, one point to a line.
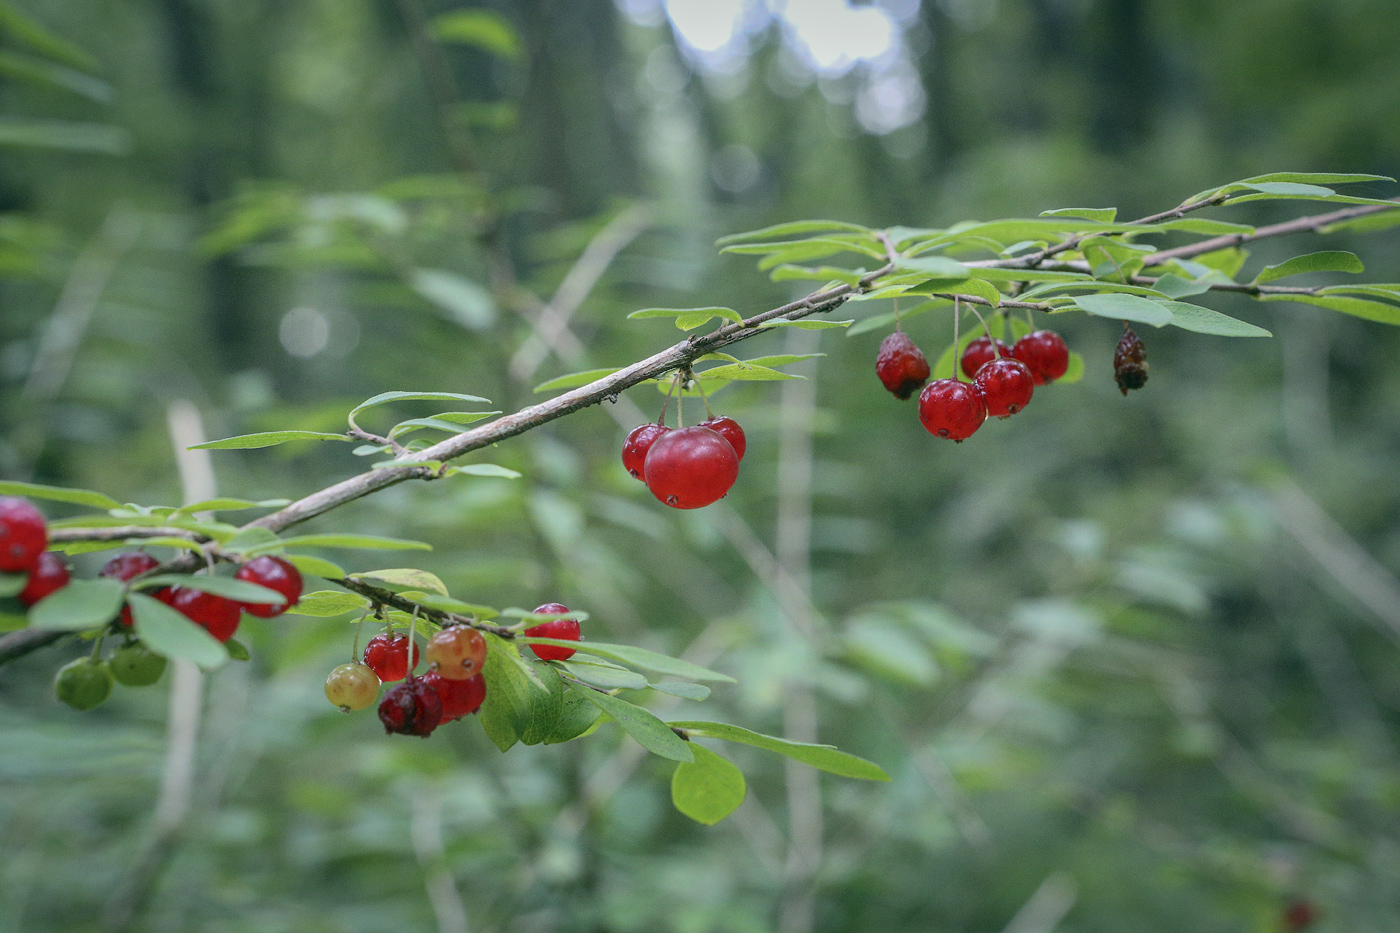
728	429
635	447
126	567
22	535
562	629
275	574
387	656
689	468
952	409
48	575
1007	385
457	652
901	365
978	353
459	697
1044	353
413	708
217	615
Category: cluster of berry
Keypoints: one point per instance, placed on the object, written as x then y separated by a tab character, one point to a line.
1003	379
452	687
686	468
87	682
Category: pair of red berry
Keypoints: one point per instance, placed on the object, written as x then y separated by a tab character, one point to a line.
686	468
218	615
1003	380
23	540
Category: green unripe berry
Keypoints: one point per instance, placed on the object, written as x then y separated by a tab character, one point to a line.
135	665
351	687
83	684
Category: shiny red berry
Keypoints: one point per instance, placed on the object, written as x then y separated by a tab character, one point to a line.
457	652
459	697
275	574
22	535
1044	353
901	365
978	353
387	656
217	615
728	429
1007	385
413	708
689	468
635	447
562	629
48	575
952	409
126	567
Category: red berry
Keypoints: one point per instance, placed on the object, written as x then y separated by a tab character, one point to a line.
979	352
126	567
691	467
1007	385
22	535
49	574
413	708
1299	916
1044	353
459	697
457	652
275	574
217	615
562	629
952	409
728	429
387	656
635	447
901	365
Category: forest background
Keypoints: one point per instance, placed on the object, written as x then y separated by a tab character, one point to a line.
1133	663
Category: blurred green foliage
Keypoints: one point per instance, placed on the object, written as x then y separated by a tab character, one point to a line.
1125	670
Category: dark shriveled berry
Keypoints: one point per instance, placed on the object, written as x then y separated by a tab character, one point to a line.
1007	385
978	353
728	429
952	409
901	365
46	576
22	535
635	447
1130	361
1044	353
413	708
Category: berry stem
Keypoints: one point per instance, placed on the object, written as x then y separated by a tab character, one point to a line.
897	327
703	397
97	644
957	313
355	650
661	418
985	329
412	659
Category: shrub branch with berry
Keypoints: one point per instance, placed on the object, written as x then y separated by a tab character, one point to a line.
163	597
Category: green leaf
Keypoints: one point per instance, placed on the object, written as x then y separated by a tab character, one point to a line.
744	372
1326	261
574	380
1125	308
806	323
792	229
383	398
400	579
64	134
994	274
323	604
452	424
1174	286
788	273
545	705
825	757
448	604
635	657
684	691
464	301
1314	178
1074	372
315	565
267	439
577	717
29	33
688	318
1206	227
1205	321
12	584
605	676
237	651
484	469
940	266
506	711
1356	307
483	29
709	788
238	590
1385	292
38	71
1105	214
86	497
167	632
253	537
363	542
651	733
82	604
